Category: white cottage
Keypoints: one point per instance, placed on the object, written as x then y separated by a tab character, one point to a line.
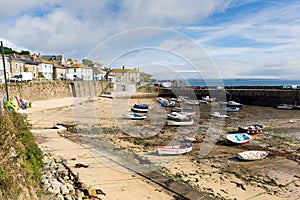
79	72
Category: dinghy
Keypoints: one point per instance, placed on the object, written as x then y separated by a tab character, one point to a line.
180	123
239	138
174	150
134	116
251	129
140	108
252	155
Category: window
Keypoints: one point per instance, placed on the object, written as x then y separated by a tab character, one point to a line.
16	65
74	70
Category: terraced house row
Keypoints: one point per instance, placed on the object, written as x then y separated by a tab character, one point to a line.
50	67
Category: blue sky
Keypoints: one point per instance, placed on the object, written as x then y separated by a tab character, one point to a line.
193	38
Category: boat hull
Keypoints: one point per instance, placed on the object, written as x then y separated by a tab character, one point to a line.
239	138
173	150
252	129
180	123
252	155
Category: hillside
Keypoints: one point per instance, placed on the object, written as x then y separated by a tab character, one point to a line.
20	159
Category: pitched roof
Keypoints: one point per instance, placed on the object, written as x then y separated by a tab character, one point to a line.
51	57
124	71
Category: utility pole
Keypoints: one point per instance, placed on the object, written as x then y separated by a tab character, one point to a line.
5	80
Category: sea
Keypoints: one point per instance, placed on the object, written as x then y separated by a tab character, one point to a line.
242	82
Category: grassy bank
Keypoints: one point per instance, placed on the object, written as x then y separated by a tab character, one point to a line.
21	159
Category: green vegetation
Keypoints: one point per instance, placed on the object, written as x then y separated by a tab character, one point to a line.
21	159
8	50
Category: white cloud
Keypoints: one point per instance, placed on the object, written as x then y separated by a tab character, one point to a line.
248	42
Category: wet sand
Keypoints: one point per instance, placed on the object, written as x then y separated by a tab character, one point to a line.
212	166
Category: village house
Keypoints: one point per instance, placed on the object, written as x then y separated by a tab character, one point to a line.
19	64
98	74
76	71
59	65
125	75
7	69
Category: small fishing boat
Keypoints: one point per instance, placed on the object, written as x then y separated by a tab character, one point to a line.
231	104
251	129
174	150
218	115
134	116
207	99
181	116
178	109
168	104
180	123
140	108
192	103
252	155
231	109
285	107
239	138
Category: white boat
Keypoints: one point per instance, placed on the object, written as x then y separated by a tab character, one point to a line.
218	115
207	99
134	116
252	155
231	109
239	138
181	116
180	123
140	108
231	104
285	107
174	150
192	103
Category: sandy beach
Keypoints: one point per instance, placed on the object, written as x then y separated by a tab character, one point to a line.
214	169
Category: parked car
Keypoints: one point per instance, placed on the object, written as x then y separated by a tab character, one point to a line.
23	77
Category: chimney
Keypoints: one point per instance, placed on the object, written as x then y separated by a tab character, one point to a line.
33	57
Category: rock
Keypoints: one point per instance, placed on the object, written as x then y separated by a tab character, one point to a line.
71	188
64	189
60	197
92	192
68	197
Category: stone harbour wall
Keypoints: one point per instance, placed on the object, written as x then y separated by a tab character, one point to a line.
249	96
35	91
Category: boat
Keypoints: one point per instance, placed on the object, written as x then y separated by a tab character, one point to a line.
134	116
207	99
180	98
285	107
140	108
178	109
239	138
231	109
252	155
251	129
180	123
174	150
218	115
231	104
192	103
181	116
168	104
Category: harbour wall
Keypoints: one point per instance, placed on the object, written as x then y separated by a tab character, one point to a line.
35	91
259	96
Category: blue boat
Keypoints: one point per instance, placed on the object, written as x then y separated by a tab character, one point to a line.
140	108
239	138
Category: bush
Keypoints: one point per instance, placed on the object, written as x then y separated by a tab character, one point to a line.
21	158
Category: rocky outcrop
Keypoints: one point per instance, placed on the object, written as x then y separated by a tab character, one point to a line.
60	182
